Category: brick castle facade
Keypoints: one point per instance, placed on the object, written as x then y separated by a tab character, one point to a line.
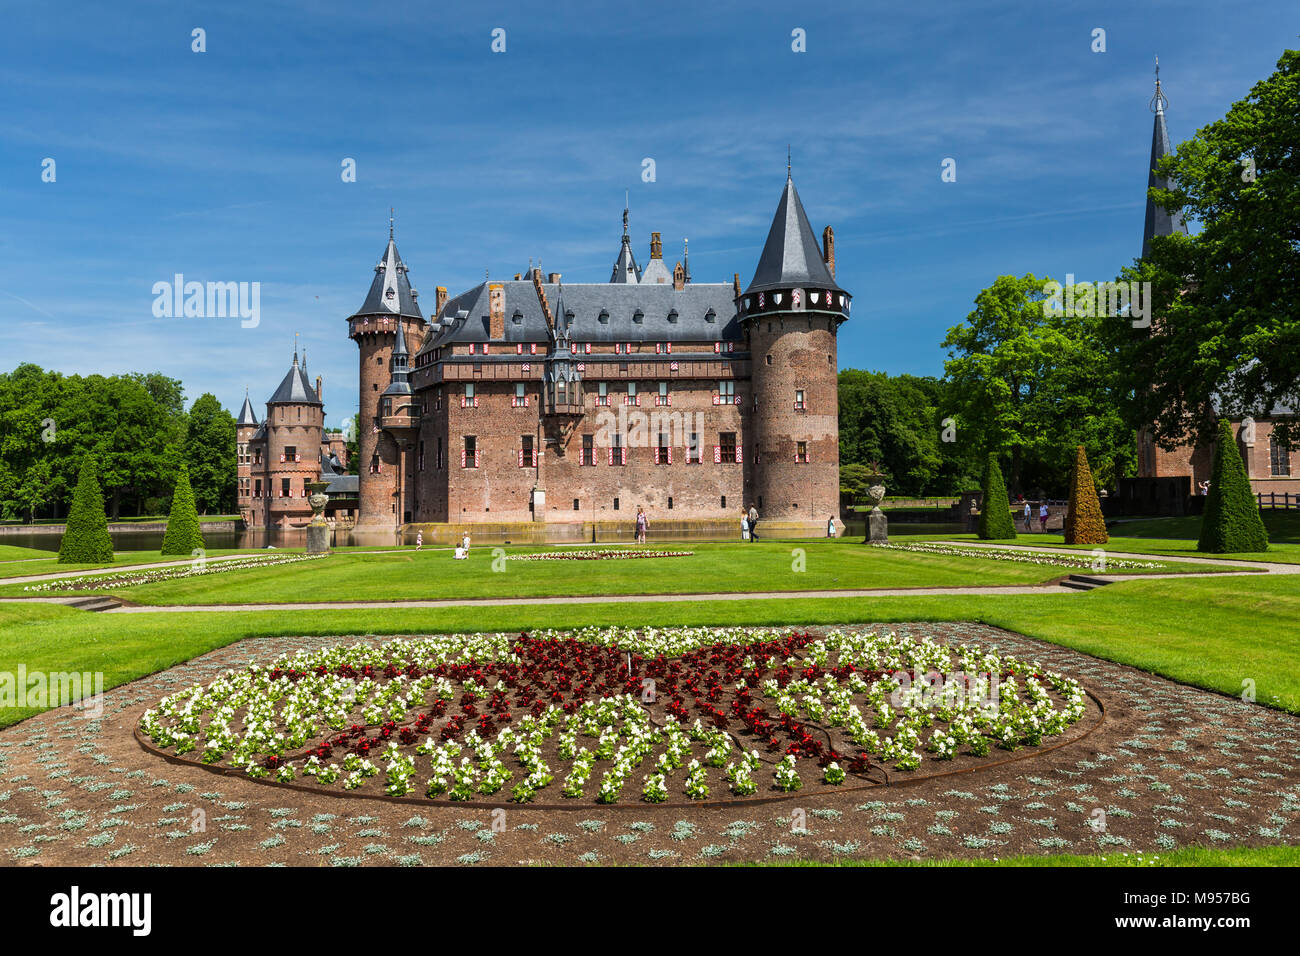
530	400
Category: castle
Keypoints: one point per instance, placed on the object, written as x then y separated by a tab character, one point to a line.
277	458
530	401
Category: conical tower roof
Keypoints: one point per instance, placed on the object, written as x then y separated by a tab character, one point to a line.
1158	221
391	293
791	256
401	383
295	389
246	414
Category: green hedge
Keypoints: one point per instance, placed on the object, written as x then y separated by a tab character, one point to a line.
1084	523
995	521
86	539
1230	522
183	535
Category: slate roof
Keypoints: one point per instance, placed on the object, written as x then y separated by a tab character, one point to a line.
1158	221
791	256
295	389
583	306
390	292
331	470
246	414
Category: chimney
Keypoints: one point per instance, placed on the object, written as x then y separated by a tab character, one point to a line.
828	249
320	388
441	300
735	283
679	277
553	278
496	312
541	298
656	246
518	276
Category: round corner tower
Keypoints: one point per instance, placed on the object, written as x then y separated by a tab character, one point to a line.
792	311
384	434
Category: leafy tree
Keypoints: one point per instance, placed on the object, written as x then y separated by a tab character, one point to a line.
1225	336
854	480
995	522
1231	521
1032	383
86	539
1084	523
183	535
210	455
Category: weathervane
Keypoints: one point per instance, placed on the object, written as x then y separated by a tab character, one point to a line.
1159	103
390	222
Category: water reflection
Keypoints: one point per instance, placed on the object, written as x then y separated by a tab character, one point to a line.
215	540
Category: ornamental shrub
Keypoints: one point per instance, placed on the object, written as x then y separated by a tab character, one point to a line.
995	522
183	535
85	538
1084	523
1231	519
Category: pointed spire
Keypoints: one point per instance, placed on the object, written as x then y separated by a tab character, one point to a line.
686	258
398	366
390	291
294	388
791	257
1158	221
625	268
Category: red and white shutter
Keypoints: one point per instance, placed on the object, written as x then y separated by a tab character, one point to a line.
740	454
717	454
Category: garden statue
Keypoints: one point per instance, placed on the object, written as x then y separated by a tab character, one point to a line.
877	523
318	532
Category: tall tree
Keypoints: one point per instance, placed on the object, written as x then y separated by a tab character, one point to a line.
1231	521
995	521
183	534
1225	338
1084	523
1032	381
210	455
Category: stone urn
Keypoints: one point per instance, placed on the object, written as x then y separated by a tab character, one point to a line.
318	532
875	495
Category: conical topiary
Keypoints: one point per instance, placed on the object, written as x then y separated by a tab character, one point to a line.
1231	519
85	538
183	535
995	521
1084	523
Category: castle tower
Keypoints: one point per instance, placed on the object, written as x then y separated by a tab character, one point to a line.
792	311
295	418
245	428
390	311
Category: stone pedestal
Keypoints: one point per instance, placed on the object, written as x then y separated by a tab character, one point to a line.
318	538
877	527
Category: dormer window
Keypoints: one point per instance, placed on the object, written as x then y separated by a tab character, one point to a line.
517	318
603	318
710	316
637	316
672	315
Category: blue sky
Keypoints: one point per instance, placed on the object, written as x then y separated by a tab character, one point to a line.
225	165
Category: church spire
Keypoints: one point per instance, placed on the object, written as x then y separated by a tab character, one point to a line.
1158	221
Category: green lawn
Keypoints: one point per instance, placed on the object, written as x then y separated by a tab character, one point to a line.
1186	856
1175	536
713	566
1212	633
45	563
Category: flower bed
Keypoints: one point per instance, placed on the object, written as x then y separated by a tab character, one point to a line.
613	715
104	582
598	554
1054	559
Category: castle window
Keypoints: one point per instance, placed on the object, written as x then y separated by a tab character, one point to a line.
603	318
663	451
727	450
527	453
257	488
615	504
285	490
388	407
663	398
801	452
469	399
670	502
375	467
602	398
769	358
440	458
421	462
575	504
1279	458
520	400
799	405
589	449
469	453
379	360
637	316
693	448
617	456
290	453
726	394
631	398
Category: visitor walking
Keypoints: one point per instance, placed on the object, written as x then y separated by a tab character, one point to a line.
753	523
1029	518
1042	516
744	525
641	524
419	540
830	527
464	543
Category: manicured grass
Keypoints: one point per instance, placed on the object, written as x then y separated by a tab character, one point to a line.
9	552
1186	856
1212	633
712	567
49	564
